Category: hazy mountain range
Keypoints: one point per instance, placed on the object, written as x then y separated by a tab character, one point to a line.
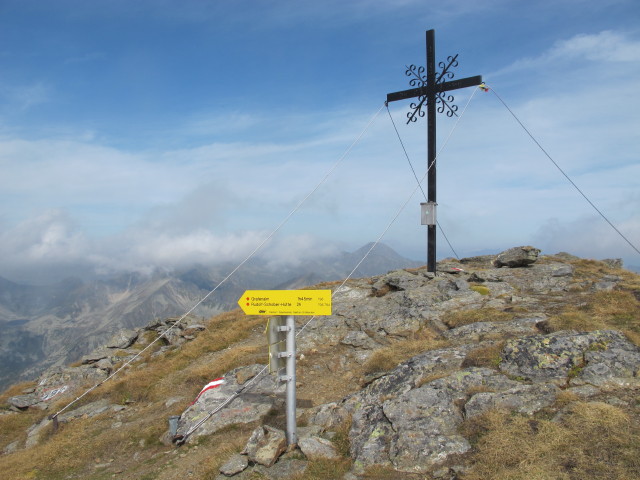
57	324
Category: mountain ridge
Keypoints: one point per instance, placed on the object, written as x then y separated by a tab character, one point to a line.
57	324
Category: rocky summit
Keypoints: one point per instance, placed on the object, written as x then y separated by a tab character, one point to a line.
509	366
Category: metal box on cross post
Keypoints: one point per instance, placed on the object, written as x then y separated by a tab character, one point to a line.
277	339
428	213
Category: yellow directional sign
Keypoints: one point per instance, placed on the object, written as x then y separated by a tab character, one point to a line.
286	302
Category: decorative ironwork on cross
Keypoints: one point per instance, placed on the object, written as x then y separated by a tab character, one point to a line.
418	78
430	89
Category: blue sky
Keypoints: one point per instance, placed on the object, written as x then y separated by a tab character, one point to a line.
160	133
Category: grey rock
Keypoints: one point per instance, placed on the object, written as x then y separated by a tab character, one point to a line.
424	424
89	410
244	374
96	356
584	391
104	364
615	363
526	399
309	431
613	262
517	257
23	401
601	357
480	330
236	464
401	280
604	285
282	469
562	270
315	447
371	436
251	405
329	415
359	339
34	433
256	437
194	327
123	339
478	261
11	448
266	445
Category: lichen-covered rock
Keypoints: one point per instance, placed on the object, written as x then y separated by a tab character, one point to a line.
329	416
526	399
424	423
601	357
477	331
517	257
249	406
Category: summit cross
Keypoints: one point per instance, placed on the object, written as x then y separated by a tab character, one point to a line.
430	90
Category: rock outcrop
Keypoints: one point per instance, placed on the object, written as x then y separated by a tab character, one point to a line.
419	355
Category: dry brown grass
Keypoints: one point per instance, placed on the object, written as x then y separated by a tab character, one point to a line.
389	357
459	318
15	389
144	387
592	441
615	309
488	356
593	269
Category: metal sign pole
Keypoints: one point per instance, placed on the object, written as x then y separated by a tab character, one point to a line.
290	378
292	437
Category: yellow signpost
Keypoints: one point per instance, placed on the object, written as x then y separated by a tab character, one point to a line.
286	302
281	333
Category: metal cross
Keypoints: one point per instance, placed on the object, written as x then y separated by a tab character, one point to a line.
430	89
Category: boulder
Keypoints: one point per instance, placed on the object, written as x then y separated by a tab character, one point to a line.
265	445
123	339
517	257
23	401
251	405
236	464
613	262
315	447
400	280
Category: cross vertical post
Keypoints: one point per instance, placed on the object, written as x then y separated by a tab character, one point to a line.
431	145
430	89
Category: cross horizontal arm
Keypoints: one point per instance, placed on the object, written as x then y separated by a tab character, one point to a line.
440	87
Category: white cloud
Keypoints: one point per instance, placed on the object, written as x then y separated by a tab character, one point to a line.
608	47
591	237
24	97
605	46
